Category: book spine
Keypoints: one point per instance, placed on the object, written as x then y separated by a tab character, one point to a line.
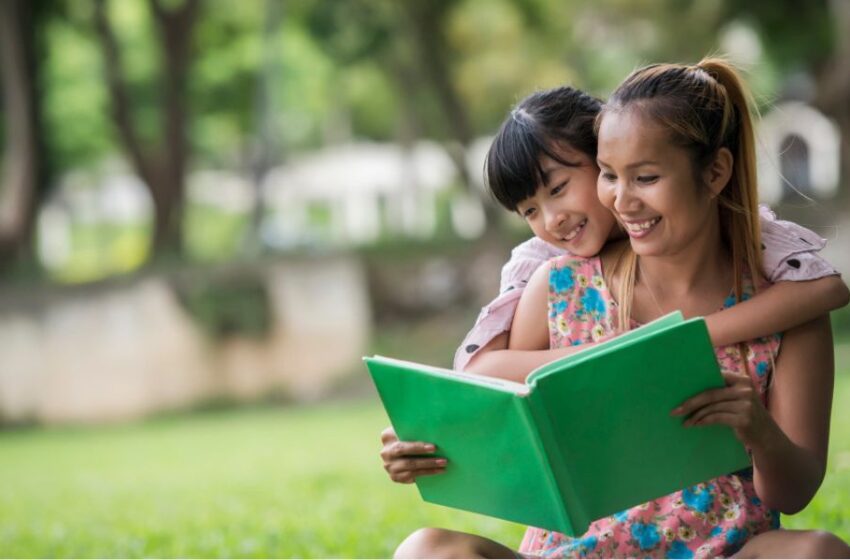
574	510
555	493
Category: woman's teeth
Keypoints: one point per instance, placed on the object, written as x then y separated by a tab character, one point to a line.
571	235
640	227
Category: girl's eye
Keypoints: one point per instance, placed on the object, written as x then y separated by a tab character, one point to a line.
557	188
610	177
647	179
527	213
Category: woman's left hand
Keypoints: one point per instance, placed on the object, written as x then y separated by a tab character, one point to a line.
737	405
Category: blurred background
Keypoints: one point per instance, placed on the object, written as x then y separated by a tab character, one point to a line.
211	209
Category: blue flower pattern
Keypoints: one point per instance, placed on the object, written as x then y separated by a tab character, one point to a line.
561	279
679	550
646	535
592	304
698	500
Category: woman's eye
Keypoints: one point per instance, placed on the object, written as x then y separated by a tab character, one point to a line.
610	177
647	179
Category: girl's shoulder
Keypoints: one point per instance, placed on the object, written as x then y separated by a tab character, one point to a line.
525	259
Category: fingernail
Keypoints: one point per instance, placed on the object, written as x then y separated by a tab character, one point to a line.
676	411
430	447
441	462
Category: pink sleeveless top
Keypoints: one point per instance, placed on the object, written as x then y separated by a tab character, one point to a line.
711	519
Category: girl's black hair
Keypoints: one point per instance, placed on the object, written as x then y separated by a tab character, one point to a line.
536	126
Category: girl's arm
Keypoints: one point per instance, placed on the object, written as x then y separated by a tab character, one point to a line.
515	354
780	307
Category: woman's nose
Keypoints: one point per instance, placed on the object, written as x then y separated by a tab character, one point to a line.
624	199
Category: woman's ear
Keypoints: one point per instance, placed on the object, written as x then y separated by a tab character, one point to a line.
719	171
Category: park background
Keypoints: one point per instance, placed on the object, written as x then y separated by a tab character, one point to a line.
210	210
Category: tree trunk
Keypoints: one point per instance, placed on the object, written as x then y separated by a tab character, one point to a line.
162	171
833	88
20	163
425	26
176	31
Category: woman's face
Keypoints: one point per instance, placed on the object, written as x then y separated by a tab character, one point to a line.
565	210
649	184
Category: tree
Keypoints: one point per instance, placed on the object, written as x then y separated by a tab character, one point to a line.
162	168
22	168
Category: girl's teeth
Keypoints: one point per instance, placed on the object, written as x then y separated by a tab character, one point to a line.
638	227
570	236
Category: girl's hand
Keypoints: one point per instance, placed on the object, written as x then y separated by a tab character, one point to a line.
404	461
737	405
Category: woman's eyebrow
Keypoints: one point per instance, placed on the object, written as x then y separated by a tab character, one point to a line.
641	163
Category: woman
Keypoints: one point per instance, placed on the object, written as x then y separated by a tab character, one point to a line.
677	163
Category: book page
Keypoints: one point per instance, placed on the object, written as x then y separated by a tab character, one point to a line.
474	378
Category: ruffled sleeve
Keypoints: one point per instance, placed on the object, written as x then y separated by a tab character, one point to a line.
790	251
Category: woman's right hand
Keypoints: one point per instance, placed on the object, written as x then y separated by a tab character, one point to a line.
404	461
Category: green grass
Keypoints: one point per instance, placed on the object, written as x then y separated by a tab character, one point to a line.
265	482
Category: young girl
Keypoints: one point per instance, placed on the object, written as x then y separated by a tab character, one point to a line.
676	151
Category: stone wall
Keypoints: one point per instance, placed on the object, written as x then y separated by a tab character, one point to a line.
128	350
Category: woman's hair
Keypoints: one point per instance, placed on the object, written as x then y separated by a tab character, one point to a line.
537	126
704	107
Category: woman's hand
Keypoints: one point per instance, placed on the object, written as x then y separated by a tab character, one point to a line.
404	461
737	405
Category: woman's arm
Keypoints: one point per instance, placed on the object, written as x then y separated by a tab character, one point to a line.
515	354
790	463
780	307
789	438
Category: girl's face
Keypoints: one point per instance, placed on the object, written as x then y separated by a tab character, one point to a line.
649	184
565	210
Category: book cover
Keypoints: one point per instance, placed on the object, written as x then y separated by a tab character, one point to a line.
587	436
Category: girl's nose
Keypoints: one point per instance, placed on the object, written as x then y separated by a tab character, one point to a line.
553	219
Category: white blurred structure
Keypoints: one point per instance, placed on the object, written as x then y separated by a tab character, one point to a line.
351	194
338	196
799	150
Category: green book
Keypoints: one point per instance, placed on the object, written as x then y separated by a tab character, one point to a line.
585	437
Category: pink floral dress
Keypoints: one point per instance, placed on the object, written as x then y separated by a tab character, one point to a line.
711	519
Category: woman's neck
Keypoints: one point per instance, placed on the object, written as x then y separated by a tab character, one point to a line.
696	280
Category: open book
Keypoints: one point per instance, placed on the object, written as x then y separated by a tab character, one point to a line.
587	436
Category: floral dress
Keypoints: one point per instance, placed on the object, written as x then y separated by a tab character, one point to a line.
711	519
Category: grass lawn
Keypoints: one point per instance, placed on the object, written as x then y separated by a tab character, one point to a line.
264	482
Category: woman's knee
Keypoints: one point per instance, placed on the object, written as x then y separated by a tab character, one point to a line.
426	543
822	544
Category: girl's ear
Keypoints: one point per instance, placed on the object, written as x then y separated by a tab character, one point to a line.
719	171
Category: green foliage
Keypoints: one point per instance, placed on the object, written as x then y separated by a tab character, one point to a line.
212	234
76	107
231	304
99	250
